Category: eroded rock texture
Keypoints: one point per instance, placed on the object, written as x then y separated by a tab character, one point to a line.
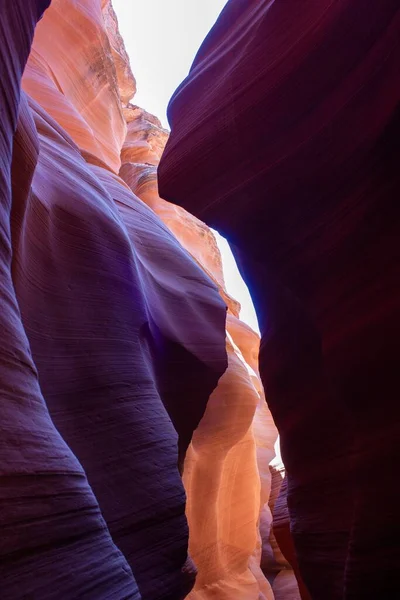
285	138
114	338
226	471
288	573
123	328
50	520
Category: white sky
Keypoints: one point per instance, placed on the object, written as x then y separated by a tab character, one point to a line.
162	38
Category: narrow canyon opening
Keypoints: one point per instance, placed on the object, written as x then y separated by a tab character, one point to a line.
141	395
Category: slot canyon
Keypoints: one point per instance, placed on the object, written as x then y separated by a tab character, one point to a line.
139	414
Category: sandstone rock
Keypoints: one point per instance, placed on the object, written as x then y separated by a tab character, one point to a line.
194	235
51	523
145	139
284	138
115	337
125	78
282	534
71	73
124	330
226	472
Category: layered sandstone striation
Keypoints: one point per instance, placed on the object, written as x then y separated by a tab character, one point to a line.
285	139
124	364
226	471
102	306
49	514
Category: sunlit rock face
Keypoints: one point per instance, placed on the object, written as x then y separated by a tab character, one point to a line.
285	139
54	540
226	471
113	337
124	366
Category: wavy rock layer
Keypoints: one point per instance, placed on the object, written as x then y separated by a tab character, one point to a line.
282	544
114	339
226	471
124	330
285	138
50	520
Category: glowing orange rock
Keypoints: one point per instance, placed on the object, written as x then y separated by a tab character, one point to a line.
71	73
119	322
115	305
226	474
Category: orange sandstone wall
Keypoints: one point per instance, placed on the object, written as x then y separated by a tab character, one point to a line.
121	327
226	474
118	297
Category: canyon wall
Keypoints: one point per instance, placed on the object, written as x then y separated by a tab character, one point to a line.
226	471
115	338
284	137
124	364
49	514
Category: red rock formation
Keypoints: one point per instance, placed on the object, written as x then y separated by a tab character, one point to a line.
118	321
51	523
140	156
226	471
114	339
279	571
285	547
285	138
125	78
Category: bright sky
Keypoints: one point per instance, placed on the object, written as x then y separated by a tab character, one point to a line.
162	38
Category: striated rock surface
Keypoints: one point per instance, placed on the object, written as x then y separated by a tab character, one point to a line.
273	562
226	471
282	542
50	520
140	156
73	76
125	78
113	336
285	139
123	363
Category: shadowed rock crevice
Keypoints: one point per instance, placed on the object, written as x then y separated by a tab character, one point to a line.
283	138
123	363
